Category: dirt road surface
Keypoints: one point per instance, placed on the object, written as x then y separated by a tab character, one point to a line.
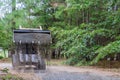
64	73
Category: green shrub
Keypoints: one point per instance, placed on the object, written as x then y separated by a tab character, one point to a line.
111	48
1	57
79	45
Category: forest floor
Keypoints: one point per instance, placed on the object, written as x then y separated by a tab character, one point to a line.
56	71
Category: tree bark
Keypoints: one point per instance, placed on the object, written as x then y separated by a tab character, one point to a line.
83	15
4	53
13	5
13	9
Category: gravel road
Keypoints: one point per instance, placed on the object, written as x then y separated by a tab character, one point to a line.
71	73
65	73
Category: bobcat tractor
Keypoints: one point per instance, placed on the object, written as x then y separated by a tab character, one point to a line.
31	46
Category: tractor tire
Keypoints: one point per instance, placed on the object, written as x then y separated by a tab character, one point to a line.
41	64
15	61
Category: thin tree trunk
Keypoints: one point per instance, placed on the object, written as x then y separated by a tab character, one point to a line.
70	20
4	53
13	5
87	16
115	7
77	18
83	15
13	9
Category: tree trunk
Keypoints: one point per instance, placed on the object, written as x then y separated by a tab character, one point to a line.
13	9
4	53
83	15
87	16
13	5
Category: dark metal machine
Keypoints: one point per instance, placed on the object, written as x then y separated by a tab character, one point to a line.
31	45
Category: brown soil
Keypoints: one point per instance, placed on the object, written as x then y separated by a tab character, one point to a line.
108	64
26	76
5	60
56	66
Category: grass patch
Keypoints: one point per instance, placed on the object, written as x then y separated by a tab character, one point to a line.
5	75
55	62
10	77
5	60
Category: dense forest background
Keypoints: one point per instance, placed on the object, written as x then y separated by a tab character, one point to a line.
83	31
